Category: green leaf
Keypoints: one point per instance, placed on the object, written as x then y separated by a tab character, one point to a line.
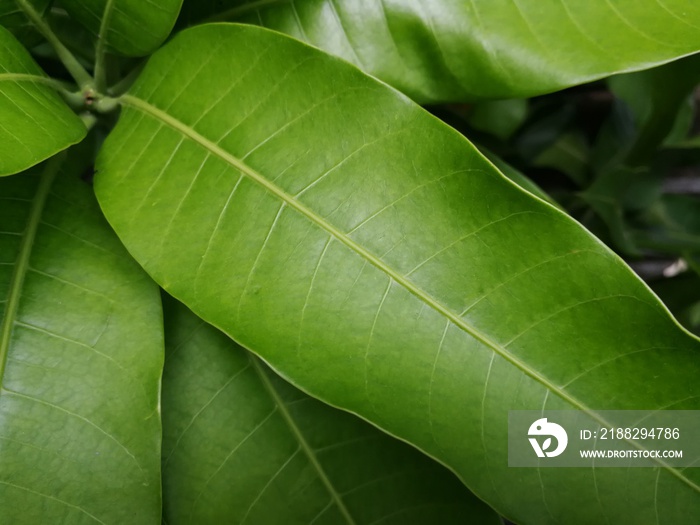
446	50
35	122
131	28
517	176
80	360
375	259
242	445
14	19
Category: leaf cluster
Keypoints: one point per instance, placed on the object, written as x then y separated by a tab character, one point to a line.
252	271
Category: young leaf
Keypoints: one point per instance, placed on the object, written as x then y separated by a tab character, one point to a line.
80	361
127	27
240	445
35	122
452	50
372	256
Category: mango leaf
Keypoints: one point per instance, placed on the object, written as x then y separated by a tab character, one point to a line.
80	360
35	122
127	27
448	50
517	176
376	260
14	19
241	445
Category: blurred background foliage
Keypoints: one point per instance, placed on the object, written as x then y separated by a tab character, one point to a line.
622	156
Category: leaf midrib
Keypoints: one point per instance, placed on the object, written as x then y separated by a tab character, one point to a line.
177	125
308	451
22	264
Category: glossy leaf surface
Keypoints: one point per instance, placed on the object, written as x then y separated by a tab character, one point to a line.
241	445
129	27
80	361
518	177
455	50
35	122
374	258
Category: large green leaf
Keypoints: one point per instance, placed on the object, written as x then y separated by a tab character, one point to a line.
376	260
35	122
240	445
517	176
128	27
454	49
80	360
